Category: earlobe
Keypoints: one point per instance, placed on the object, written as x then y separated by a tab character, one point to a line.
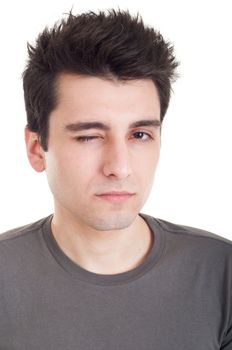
35	152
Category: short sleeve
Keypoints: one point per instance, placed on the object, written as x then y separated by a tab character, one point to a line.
227	341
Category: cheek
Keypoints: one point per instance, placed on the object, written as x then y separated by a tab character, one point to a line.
69	169
147	163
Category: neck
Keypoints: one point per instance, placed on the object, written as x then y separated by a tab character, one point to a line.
103	252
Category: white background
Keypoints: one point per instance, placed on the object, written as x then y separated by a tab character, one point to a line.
193	181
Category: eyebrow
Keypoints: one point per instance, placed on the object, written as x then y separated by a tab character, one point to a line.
79	126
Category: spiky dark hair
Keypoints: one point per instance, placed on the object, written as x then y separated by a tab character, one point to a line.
104	44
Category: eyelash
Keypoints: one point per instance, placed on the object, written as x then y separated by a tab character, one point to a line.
90	138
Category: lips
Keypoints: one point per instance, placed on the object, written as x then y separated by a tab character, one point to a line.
115	196
115	193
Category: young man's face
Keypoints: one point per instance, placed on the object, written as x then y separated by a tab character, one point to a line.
86	163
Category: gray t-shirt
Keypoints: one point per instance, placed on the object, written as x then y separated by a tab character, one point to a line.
179	298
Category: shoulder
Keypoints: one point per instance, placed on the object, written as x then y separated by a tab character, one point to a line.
192	232
22	231
198	244
21	240
21	248
192	241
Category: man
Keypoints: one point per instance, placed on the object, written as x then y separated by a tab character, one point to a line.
98	274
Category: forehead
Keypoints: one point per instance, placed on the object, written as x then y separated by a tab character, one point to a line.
88	98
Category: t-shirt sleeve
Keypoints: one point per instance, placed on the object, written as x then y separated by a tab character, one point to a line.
227	341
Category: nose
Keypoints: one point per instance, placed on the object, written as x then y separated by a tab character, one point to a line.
116	162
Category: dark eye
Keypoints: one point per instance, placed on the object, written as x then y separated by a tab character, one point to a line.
142	135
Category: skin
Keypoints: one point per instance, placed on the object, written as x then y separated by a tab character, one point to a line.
102	236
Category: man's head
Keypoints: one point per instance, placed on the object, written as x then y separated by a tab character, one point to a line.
114	46
96	89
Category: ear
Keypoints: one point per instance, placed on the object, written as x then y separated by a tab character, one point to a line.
35	153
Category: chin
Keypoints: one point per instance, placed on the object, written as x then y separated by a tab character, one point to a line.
116	221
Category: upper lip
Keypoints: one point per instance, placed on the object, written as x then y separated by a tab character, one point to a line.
115	193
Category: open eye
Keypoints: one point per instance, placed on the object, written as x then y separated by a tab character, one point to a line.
141	135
